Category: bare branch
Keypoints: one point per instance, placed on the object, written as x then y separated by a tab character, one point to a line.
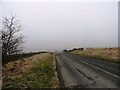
10	43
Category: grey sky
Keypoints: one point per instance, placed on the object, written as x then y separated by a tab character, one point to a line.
60	25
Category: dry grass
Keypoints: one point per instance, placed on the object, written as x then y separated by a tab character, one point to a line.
108	54
33	72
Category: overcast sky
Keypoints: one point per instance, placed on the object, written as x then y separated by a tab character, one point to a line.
64	25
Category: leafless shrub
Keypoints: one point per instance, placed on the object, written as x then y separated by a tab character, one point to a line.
11	39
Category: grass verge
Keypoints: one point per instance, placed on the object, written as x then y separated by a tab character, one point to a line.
107	54
39	74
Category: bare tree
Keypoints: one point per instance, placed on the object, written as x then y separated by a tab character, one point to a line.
11	39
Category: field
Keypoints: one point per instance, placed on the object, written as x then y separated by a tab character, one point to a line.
36	71
108	54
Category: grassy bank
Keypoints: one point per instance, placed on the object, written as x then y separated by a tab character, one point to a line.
11	58
108	54
37	71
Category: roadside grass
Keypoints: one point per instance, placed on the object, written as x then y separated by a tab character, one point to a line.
107	54
40	74
7	59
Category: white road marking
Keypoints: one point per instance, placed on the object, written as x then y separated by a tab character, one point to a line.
101	69
98	68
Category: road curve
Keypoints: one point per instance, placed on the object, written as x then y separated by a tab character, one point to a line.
84	72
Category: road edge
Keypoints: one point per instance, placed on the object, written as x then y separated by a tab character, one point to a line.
59	75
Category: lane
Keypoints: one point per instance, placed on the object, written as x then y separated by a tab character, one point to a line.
107	66
76	74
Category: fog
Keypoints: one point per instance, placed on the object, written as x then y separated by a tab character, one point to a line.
65	25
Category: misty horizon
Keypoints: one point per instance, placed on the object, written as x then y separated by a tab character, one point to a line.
66	25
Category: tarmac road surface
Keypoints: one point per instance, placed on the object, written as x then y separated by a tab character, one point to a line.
83	72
